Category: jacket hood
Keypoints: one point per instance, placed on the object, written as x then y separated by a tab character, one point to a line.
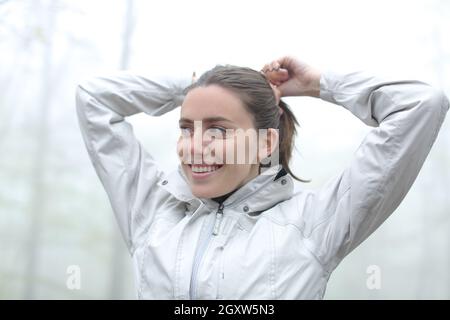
272	186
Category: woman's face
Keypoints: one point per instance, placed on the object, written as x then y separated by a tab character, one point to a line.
217	146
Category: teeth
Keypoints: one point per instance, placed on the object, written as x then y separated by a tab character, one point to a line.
199	169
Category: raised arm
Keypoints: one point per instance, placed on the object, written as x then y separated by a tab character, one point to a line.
128	173
406	116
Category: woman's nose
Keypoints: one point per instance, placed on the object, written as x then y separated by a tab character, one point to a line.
191	153
200	145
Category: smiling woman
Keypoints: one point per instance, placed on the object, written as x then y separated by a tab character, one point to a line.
214	229
225	102
219	112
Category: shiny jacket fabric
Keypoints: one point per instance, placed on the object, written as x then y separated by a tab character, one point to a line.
268	240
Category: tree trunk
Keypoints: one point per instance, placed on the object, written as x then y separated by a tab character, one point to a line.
38	190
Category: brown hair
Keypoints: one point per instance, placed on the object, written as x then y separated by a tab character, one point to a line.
258	97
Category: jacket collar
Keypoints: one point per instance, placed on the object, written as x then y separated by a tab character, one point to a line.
272	186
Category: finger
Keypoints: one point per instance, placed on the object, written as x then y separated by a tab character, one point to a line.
274	73
265	68
279	75
274	65
287	62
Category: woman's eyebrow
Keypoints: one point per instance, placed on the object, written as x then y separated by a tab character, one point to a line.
210	119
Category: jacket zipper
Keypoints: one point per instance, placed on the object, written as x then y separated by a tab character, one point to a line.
215	231
204	245
219	216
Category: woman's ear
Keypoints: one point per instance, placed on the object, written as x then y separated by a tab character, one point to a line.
268	142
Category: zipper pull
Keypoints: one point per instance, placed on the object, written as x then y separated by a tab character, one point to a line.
219	215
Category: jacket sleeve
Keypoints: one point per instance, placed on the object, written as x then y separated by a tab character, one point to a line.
127	172
406	116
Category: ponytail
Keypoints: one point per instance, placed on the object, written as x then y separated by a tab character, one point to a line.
288	131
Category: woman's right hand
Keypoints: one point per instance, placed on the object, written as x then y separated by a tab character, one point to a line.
292	77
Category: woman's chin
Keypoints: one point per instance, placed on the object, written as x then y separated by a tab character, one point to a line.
205	191
210	183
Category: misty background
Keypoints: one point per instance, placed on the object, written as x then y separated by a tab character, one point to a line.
54	213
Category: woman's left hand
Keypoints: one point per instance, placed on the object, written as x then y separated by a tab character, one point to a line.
293	77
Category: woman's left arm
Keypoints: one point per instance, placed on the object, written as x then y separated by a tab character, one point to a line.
406	116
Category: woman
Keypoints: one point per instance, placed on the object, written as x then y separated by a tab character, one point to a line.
237	230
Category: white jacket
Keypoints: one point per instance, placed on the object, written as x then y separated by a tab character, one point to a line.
272	242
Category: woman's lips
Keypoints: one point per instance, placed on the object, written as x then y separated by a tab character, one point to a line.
206	174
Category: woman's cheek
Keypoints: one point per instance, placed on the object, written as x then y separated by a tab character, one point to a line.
243	151
183	150
252	150
220	151
230	151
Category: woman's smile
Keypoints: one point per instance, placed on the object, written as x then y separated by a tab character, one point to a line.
201	172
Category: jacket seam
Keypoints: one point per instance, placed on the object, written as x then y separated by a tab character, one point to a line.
176	287
327	218
239	201
129	176
272	273
302	236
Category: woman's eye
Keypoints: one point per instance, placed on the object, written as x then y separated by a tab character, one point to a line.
217	132
185	131
213	132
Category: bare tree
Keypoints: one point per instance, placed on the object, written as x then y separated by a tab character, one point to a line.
38	194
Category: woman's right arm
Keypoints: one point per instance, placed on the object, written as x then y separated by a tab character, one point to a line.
128	173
